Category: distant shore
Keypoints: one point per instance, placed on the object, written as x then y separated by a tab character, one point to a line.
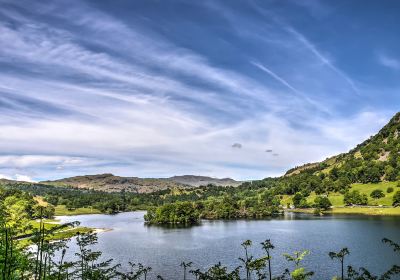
365	210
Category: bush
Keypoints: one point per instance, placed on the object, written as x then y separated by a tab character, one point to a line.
389	190
355	197
396	199
322	202
299	201
377	194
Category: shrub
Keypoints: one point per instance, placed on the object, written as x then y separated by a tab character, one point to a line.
396	199
355	197
322	202
389	190
299	201
377	194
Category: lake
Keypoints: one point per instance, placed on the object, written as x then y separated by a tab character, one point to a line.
165	248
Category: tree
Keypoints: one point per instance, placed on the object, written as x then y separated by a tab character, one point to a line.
87	267
247	259
185	265
390	173
376	194
396	199
355	198
340	256
268	246
173	213
322	202
299	201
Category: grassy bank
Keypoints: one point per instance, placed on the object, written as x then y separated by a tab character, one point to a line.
59	234
373	211
337	198
372	208
61	210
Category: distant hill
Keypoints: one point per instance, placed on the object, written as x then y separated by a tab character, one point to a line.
111	183
374	160
196	181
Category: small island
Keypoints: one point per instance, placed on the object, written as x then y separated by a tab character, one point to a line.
265	204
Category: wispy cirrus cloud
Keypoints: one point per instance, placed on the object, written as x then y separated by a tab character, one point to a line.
324	60
86	89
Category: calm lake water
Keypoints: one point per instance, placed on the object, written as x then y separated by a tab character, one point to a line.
165	248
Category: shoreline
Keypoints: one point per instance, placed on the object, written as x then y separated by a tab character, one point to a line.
357	210
342	210
101	230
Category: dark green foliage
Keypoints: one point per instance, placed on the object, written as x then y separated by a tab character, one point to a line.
322	202
299	201
389	190
173	213
246	204
217	272
396	199
377	194
355	198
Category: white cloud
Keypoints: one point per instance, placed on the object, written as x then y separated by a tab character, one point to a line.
388	61
31	160
17	177
25	178
2	176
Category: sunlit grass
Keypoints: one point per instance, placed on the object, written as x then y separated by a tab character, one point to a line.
61	210
338	203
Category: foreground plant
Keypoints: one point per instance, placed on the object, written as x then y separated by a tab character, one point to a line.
300	273
340	256
267	246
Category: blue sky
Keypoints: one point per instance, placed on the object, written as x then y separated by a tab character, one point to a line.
241	89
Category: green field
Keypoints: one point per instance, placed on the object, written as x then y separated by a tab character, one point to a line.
61	210
368	188
338	204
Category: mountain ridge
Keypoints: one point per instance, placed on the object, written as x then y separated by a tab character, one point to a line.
112	183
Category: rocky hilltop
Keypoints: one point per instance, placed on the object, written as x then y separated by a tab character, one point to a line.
111	183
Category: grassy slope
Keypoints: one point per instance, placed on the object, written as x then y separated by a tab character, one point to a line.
339	207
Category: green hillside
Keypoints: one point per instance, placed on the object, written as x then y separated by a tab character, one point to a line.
375	160
373	165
